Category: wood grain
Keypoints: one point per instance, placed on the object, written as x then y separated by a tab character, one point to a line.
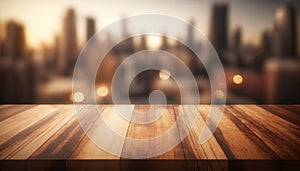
249	137
150	131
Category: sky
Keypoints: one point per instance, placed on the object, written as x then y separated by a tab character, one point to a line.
43	19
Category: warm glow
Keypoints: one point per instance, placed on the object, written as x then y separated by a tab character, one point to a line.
44	26
154	42
237	79
164	75
219	94
71	97
78	97
279	15
102	91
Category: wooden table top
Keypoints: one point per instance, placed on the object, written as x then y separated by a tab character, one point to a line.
41	137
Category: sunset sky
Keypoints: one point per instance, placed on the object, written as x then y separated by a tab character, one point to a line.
43	19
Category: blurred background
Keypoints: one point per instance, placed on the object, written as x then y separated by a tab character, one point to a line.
258	42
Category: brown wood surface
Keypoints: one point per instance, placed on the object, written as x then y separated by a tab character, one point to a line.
249	137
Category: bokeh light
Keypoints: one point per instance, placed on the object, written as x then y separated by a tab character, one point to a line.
164	74
237	79
102	91
219	94
78	97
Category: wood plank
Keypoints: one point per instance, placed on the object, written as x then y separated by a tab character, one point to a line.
293	108
18	141
280	135
190	145
16	148
38	137
4	106
88	151
213	151
283	112
55	152
7	111
17	123
117	125
151	130
241	142
195	154
238	142
48	137
62	144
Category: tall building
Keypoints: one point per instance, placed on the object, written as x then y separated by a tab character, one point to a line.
90	28
266	44
15	40
164	44
190	34
237	39
69	43
191	60
143	45
126	46
56	52
219	28
17	73
237	46
285	36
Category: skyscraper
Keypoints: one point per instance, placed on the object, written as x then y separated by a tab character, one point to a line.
190	34
237	39
236	47
219	28
69	43
285	43
143	45
17	73
266	44
56	51
164	44
192	61
126	46
15	40
90	28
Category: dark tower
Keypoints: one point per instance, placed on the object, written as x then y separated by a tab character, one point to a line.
69	51
15	40
237	39
164	44
17	70
285	43
219	28
266	44
190	34
90	28
126	46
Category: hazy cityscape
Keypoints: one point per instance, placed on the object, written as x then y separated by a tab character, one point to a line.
267	72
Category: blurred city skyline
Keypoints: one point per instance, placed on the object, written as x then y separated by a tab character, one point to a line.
256	41
43	18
